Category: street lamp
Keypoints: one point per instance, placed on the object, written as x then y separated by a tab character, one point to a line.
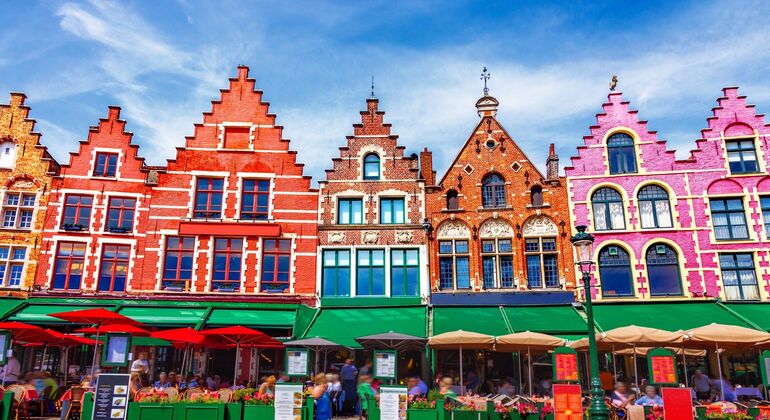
584	243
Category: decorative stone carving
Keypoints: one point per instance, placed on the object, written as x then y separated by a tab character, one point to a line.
404	236
453	229
152	177
496	228
336	237
540	226
24	184
370	237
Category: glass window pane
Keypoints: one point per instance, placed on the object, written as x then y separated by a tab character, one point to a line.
461	247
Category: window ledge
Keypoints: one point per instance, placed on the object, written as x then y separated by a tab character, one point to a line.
457	210
494	208
370	226
104	178
544	205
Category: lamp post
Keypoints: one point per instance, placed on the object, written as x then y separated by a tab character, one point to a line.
583	243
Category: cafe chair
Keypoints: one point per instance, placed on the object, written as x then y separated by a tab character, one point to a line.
171	393
76	403
225	395
192	393
20	408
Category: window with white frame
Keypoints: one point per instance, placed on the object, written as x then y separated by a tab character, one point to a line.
7	154
12	265
497	263
17	210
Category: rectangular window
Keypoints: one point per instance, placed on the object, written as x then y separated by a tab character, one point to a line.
497	263
370	272
11	265
113	270
68	269
404	272
106	165
454	266
77	212
255	199
228	255
336	272
728	219
392	211
178	263
738	276
208	198
542	262
17	210
276	265
765	202
350	211
742	156
120	214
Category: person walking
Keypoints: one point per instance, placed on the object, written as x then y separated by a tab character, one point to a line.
701	384
349	375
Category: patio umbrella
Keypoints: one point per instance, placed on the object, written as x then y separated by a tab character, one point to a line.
97	317
317	344
725	335
115	328
392	340
636	336
461	339
528	341
185	338
24	333
241	336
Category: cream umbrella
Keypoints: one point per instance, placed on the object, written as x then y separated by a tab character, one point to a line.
528	341
461	340
636	336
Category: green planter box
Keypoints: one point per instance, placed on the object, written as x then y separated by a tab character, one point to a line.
258	412
150	411
426	414
234	411
466	415
197	411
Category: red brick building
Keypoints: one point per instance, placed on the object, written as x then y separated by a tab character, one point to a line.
498	223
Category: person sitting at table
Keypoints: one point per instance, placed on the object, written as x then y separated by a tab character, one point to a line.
162	382
620	397
701	384
446	387
650	397
172	380
365	392
412	388
268	387
506	388
135	384
723	385
323	408
11	371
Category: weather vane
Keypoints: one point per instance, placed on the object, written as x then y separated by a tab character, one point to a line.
372	96
614	82
485	76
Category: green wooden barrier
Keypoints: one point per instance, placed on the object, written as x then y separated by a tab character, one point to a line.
88	406
7	404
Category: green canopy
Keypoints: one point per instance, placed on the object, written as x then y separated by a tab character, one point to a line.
481	319
38	314
758	313
180	316
252	318
555	320
344	325
665	316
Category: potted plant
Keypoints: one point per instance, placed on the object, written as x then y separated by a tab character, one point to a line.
727	414
421	408
528	410
154	405
205	406
460	410
258	407
505	412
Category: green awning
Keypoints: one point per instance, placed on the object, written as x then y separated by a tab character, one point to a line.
8	305
184	317
265	318
758	313
38	314
571	337
344	325
546	319
666	316
480	319
144	341
304	318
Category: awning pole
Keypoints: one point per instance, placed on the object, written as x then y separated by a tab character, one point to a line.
529	371
257	380
42	359
461	371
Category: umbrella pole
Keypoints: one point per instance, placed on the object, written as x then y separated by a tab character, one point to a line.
614	367
461	370
258	361
42	359
684	364
316	361
636	374
529	371
326	359
721	378
96	350
237	350
5	368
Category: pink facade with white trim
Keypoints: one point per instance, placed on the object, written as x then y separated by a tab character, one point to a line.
700	231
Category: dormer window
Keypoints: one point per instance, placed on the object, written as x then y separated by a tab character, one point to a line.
451	200
106	165
493	191
7	154
742	156
621	154
371	166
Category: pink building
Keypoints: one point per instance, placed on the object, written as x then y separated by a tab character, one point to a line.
671	228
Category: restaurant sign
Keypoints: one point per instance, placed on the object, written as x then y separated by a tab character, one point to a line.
111	396
385	364
662	367
297	362
565	365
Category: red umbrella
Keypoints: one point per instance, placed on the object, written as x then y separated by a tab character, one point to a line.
24	332
115	328
241	336
180	335
97	316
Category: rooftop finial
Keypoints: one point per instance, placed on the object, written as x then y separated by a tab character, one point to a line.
372	95
613	82
485	76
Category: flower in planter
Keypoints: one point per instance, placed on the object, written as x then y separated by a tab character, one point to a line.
154	396
526	408
263	399
505	411
241	395
656	413
547	409
419	403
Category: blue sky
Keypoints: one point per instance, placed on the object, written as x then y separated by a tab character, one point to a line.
164	61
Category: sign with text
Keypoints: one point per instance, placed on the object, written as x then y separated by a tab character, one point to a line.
111	396
385	364
677	403
393	402
288	402
115	351
297	362
662	367
567	402
565	365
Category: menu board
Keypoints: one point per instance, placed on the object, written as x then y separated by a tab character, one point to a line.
288	402
5	340
393	402
565	367
111	397
116	350
567	402
677	403
662	366
297	362
385	364
764	367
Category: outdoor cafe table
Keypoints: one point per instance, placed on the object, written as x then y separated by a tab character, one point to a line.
748	391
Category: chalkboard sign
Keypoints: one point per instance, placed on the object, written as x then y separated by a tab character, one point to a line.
111	398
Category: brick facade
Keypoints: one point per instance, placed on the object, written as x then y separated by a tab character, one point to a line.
522	206
388	222
26	169
678	240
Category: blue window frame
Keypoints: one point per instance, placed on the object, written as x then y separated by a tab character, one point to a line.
493	191
106	165
371	166
68	268
621	154
350	211
542	263
276	265
370	272
454	265
663	271
728	219
113	270
615	272
404	272
742	156
392	211
336	272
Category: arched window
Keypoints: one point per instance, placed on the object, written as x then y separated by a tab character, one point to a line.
7	154
608	209
621	154
493	191
372	166
536	196
654	207
615	272
663	271
451	200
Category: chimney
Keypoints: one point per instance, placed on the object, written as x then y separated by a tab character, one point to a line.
552	166
426	167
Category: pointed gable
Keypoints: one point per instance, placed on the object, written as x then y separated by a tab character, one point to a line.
32	158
